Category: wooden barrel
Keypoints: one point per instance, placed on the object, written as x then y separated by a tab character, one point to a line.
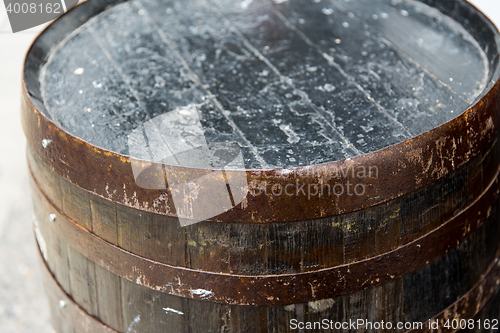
266	166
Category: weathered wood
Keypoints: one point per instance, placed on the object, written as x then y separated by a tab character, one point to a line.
82	278
481	296
397	223
108	288
58	322
51	242
163	138
145	310
249	249
50	180
389	304
388	234
481	244
108	298
488	314
250	319
208	246
475	254
359	236
362	305
104	219
322	245
157	237
358	92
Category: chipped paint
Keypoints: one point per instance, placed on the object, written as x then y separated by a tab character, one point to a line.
170	311
321	305
204	294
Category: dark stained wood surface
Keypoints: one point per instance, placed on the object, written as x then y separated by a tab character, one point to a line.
416	297
420	161
279	248
230	90
287	288
293	84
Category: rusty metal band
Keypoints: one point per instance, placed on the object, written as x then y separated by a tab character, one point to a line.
401	169
464	308
469	304
275	289
66	308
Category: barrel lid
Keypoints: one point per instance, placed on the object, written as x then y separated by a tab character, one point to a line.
275	90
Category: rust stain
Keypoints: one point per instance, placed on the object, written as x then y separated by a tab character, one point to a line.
270	290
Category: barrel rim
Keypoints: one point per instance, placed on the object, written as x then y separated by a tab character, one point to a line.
494	77
404	165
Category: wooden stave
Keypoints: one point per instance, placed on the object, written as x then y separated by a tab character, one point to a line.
272	314
59	300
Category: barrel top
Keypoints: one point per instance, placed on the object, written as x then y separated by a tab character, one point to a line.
264	84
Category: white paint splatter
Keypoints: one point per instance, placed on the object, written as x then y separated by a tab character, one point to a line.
326	88
321	305
246	3
133	324
327	11
329	87
185	112
46	143
167	310
97	85
264	73
292	136
202	293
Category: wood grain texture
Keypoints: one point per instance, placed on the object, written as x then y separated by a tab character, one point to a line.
68	316
108	298
82	278
480	298
278	247
281	289
384	72
104	219
414	297
301	89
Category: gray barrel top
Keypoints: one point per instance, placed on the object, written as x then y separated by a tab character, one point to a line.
261	84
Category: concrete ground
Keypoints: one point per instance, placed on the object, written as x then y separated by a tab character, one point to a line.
22	301
23	307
